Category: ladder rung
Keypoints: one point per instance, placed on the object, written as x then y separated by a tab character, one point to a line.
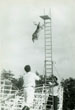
48	49
48	68
49	105
48	30
48	34
50	61
47	60
47	27
48	45
48	53
47	22
47	41
50	100
49	72
48	64
48	38
49	57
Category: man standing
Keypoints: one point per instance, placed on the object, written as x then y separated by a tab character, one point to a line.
29	85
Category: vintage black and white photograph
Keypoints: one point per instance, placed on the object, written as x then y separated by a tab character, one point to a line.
37	55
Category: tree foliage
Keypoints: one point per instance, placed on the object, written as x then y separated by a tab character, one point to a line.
17	83
69	94
6	75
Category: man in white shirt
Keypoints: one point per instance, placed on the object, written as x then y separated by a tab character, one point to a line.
29	85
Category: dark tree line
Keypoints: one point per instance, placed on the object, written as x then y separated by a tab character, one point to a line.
69	94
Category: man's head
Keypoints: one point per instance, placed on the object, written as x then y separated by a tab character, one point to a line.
27	68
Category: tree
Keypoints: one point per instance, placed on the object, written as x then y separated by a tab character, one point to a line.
69	94
17	83
6	75
20	82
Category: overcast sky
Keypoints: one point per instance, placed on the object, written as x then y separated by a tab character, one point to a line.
17	19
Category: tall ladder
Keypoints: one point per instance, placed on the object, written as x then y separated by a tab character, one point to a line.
48	50
48	45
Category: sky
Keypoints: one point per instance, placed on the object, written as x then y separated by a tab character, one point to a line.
17	18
